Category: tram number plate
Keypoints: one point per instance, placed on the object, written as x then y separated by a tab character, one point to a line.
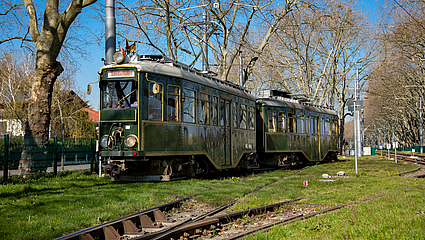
120	73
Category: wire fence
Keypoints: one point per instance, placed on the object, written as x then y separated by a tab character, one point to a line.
18	153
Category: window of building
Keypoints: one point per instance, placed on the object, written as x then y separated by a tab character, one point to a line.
189	105
272	121
155	101
251	118
292	127
214	113
243	117
173	103
281	122
204	109
300	124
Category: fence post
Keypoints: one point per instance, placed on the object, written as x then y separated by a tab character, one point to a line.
6	157
55	156
93	153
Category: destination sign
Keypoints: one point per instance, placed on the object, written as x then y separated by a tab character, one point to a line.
120	73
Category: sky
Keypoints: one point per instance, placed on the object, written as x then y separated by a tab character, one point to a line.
89	69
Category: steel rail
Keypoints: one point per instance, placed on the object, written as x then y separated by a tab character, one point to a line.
98	229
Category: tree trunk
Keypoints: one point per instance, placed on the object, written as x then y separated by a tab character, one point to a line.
35	146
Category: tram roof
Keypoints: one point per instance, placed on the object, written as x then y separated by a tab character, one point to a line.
165	66
291	103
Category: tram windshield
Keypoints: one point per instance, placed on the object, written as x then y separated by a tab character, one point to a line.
119	94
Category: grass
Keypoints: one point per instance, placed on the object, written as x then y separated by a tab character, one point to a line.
47	207
397	215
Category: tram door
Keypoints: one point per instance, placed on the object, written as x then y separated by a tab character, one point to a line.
225	131
315	139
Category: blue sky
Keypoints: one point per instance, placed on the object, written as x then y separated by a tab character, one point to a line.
89	69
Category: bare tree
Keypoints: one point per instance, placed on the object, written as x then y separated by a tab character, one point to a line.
183	25
396	87
317	50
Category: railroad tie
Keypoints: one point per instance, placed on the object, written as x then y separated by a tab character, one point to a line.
86	237
130	228
111	234
160	217
146	222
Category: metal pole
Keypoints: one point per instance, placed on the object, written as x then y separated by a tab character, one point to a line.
355	123
394	144
93	154
204	43
241	73
379	141
420	132
6	157
55	158
110	35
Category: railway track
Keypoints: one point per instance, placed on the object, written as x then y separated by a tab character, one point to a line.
417	160
198	223
153	222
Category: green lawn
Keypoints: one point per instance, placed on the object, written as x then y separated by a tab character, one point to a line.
397	215
47	207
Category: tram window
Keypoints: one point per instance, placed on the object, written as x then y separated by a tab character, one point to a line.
334	127
243	118
214	113
119	94
272	121
235	114
173	103
281	122
204	109
327	127
155	101
189	106
222	111
307	126
251	118
313	121
291	123
300	124
227	116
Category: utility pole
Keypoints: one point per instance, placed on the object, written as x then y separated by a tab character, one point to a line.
420	131
356	145
241	71
204	42
394	144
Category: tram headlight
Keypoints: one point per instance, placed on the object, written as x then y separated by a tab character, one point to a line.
119	57
131	141
104	141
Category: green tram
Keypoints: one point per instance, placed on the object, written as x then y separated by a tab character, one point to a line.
161	120
291	131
